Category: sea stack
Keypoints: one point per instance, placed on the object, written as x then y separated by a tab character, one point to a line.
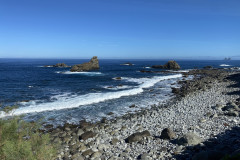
93	64
168	65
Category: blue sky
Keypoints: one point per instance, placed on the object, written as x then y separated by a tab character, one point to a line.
119	28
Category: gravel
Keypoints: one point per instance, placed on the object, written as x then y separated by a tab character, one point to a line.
198	113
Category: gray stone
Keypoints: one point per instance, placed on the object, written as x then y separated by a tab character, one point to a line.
114	141
232	113
138	136
189	139
80	132
145	156
167	133
88	152
86	135
96	155
77	156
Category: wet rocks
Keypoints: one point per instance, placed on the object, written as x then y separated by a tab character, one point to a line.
138	136
118	78
168	65
167	133
93	64
86	135
176	90
133	106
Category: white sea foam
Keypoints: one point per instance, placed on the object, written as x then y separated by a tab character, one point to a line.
225	65
180	71
45	66
117	87
146	67
91	98
128	64
81	73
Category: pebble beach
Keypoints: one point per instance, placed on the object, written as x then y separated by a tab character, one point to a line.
200	122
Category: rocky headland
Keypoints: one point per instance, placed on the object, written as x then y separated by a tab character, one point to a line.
93	64
200	123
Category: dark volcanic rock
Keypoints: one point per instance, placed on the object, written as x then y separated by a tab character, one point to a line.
167	134
93	64
63	65
86	135
208	67
168	65
138	136
176	90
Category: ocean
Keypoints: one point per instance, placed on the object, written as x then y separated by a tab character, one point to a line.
57	96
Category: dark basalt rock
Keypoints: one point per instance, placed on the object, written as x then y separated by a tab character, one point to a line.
86	135
93	64
168	65
208	67
138	136
167	134
61	65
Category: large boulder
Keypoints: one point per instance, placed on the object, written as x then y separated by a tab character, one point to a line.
86	135
168	65
93	64
167	133
189	139
138	136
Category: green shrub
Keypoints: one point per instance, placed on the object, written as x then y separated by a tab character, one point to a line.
21	140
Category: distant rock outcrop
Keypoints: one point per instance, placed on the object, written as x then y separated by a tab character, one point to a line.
168	65
58	65
93	64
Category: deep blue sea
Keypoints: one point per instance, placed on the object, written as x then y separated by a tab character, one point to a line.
58	95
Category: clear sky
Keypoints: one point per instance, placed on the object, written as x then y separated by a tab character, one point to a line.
119	28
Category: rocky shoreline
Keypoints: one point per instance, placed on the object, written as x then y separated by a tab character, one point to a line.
201	122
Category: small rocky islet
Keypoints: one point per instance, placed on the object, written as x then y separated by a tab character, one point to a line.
58	65
93	64
201	122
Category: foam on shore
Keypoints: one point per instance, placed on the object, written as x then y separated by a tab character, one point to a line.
65	102
81	73
225	65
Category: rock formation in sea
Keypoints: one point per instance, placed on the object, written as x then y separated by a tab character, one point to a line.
168	65
93	64
58	65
